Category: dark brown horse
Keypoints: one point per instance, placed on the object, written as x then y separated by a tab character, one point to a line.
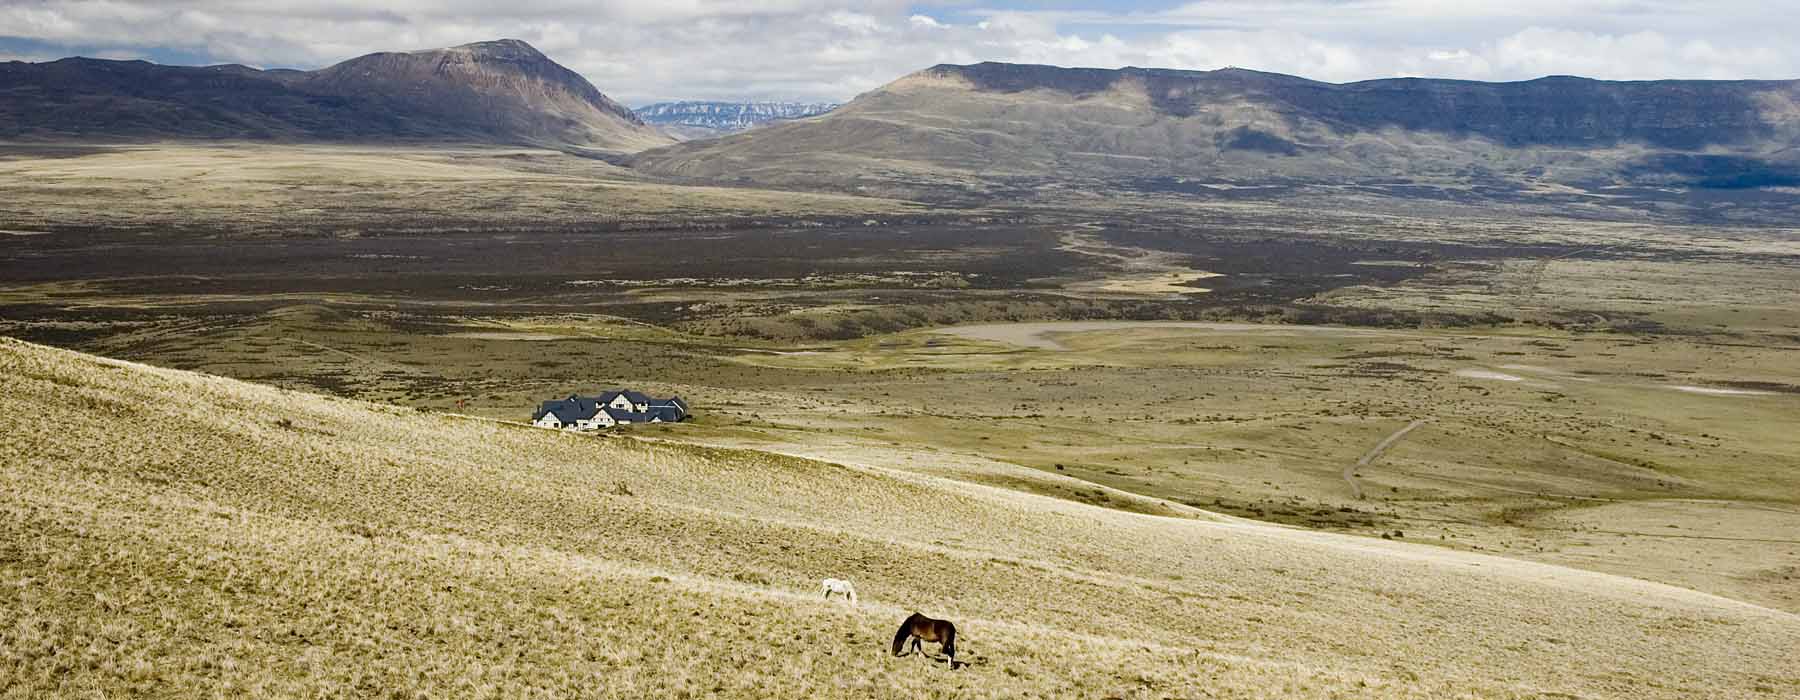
922	628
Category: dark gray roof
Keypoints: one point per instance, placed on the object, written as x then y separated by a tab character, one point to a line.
628	416
577	408
568	410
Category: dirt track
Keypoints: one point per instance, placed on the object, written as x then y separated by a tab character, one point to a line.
1350	470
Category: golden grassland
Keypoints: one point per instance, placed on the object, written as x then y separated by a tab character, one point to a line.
170	533
261	188
1664	459
1657	457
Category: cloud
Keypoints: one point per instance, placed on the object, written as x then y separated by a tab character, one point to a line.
1640	54
832	49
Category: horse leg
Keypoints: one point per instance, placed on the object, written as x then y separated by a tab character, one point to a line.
918	646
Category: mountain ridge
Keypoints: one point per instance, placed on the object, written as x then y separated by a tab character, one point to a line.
502	91
998	120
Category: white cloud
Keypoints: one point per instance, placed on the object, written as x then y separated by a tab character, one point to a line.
833	49
25	56
1642	54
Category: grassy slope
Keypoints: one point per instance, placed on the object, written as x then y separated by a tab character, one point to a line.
161	532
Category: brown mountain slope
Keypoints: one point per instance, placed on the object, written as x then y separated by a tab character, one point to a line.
995	121
166	533
497	91
503	87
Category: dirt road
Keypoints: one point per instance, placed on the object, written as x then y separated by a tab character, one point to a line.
1350	470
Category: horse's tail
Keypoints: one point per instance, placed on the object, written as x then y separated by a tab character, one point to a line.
905	631
852	595
950	641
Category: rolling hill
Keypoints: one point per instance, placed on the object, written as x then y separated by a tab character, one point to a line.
170	533
489	92
997	122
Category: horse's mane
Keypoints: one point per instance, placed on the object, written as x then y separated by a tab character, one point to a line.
905	631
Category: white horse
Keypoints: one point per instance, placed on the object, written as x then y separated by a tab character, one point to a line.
836	585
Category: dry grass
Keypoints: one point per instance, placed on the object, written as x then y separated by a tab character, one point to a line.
280	189
1261	420
1746	299
168	533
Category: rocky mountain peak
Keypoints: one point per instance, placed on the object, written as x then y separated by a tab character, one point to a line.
501	49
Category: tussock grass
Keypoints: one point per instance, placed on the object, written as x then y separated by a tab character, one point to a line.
165	533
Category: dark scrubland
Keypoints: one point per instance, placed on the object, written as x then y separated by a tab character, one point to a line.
729	282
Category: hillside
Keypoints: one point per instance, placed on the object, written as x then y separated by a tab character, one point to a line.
489	92
699	119
170	533
1156	128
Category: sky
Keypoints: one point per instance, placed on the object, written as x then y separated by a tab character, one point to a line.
830	50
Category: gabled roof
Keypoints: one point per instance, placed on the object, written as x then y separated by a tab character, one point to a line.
568	410
579	408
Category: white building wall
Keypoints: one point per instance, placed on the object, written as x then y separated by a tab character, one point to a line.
600	420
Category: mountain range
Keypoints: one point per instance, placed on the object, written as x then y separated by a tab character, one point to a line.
979	128
997	121
696	119
496	91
